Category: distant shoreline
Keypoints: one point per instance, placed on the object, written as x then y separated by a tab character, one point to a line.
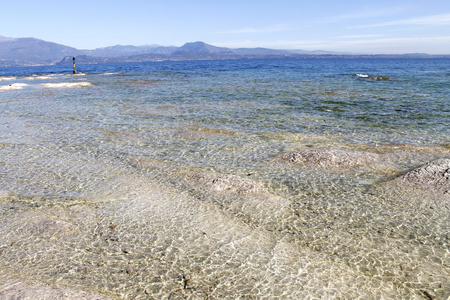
84	59
35	52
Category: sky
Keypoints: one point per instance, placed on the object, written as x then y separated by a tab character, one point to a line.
372	27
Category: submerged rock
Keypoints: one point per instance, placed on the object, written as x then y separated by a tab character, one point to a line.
245	198
367	76
434	175
426	189
331	157
229	183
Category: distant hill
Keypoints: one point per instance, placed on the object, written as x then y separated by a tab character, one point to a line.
189	51
32	51
260	51
120	50
200	47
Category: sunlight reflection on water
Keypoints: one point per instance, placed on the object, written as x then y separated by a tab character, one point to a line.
179	183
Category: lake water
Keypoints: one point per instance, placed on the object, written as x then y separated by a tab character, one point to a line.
166	180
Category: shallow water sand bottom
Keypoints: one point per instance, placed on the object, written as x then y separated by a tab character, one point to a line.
204	239
170	245
137	228
258	179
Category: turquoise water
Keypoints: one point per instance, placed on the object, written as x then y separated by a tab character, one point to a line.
106	175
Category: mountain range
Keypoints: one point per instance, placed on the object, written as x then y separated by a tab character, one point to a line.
32	51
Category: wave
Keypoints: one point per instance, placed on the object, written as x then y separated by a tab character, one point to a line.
14	86
36	77
7	78
66	85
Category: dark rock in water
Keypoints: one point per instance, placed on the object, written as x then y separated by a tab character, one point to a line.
380	78
366	76
331	157
434	175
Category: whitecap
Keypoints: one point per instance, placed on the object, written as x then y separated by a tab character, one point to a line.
7	78
363	75
14	86
66	85
37	77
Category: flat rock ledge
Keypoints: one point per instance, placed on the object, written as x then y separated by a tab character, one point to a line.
331	157
241	195
426	188
12	289
434	176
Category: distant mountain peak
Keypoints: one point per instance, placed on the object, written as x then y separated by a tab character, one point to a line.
196	44
121	50
32	51
202	47
6	39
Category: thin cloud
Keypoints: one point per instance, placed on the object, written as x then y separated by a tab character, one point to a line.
364	14
443	39
275	44
393	45
359	36
271	29
362	45
441	19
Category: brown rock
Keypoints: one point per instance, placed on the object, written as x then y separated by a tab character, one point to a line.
434	175
331	157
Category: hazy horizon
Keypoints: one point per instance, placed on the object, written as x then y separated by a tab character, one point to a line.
381	27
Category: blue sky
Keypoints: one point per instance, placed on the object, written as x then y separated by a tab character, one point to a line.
378	26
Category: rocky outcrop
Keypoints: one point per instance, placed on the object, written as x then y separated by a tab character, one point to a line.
331	157
426	189
433	176
366	76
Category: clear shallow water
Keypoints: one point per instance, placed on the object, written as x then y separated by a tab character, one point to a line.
103	169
